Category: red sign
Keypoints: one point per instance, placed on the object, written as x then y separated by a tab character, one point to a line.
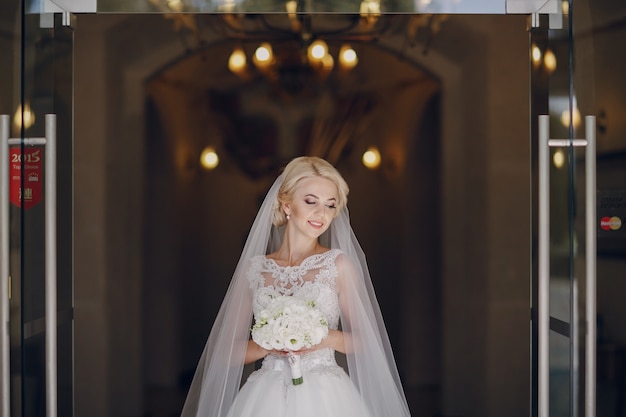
32	160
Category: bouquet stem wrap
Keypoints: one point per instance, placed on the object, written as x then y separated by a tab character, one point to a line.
296	370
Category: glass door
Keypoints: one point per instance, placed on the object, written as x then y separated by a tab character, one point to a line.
37	157
578	210
37	274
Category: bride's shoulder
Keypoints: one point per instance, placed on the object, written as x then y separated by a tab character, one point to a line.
257	259
254	269
347	270
333	255
256	263
340	259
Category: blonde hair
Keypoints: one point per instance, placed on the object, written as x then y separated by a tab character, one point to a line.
307	167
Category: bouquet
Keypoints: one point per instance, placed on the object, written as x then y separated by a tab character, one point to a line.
290	324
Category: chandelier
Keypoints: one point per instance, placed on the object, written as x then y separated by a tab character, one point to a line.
285	44
298	40
293	45
315	57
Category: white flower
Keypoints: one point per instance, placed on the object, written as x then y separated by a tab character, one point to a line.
289	323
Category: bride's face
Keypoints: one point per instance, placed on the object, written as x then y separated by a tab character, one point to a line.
313	206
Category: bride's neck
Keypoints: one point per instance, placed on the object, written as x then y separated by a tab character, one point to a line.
293	253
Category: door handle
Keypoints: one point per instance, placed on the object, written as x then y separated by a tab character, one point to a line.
51	265
51	262
5	343
543	263
591	232
543	307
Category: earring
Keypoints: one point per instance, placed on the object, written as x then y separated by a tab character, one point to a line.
288	216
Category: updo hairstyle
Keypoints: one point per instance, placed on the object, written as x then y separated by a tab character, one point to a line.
306	167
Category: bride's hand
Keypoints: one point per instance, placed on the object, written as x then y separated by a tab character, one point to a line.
334	341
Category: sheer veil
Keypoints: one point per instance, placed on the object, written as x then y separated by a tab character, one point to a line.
371	364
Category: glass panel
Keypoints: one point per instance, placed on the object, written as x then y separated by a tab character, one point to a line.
46	88
10	29
599	89
587	80
323	6
550	52
560	375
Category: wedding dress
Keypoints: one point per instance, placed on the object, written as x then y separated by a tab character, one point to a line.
326	391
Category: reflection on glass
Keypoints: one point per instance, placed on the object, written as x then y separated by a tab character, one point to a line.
559	375
333	6
560	298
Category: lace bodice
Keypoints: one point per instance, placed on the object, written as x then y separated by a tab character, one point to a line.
313	280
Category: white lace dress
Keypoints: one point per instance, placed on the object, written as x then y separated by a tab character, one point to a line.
327	391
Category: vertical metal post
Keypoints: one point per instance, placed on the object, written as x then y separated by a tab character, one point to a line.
5	364
590	255
543	308
51	268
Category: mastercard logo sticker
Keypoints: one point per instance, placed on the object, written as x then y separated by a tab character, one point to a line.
610	223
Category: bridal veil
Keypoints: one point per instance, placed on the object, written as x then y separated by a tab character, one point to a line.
371	364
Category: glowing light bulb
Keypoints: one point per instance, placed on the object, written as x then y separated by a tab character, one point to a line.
576	120
371	158
27	116
209	158
348	57
237	61
263	53
558	158
536	55
317	50
549	60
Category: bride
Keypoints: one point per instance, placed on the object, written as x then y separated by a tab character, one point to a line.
301	245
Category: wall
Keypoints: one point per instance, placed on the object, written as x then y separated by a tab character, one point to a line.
9	69
485	218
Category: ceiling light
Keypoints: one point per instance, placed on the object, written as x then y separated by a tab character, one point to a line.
536	55
347	57
317	51
263	56
565	118
549	61
209	158
371	158
28	116
558	158
237	61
